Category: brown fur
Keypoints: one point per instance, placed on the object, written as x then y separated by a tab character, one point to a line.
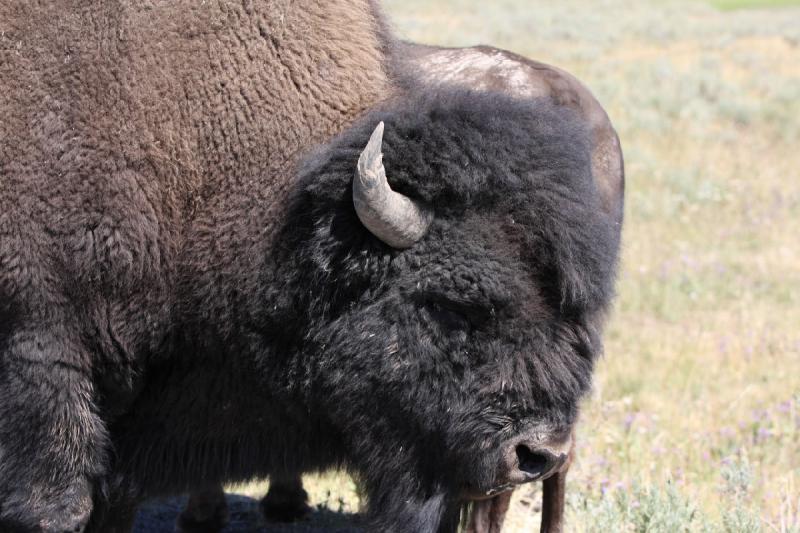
152	123
133	135
149	137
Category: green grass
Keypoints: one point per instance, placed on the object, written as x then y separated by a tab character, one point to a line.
694	424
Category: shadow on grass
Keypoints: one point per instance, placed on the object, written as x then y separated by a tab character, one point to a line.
159	517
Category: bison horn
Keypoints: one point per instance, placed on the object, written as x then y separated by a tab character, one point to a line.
392	217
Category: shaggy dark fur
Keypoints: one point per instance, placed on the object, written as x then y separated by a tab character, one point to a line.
410	368
487	326
168	320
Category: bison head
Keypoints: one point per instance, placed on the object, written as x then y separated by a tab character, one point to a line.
449	297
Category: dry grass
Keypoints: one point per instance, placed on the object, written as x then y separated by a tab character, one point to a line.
695	421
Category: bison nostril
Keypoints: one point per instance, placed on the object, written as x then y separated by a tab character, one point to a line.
532	463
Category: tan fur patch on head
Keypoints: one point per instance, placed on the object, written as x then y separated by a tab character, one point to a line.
482	70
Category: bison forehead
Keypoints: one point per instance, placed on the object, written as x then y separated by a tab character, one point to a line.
485	162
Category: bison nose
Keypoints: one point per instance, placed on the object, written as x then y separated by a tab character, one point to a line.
534	456
536	463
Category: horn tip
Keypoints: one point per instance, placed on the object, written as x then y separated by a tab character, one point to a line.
371	155
377	135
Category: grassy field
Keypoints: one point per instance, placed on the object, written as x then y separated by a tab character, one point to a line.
694	424
746	4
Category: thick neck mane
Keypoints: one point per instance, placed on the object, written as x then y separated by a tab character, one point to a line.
209	95
181	120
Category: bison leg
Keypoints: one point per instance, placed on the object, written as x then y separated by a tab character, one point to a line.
553	495
115	517
286	501
205	512
487	516
52	441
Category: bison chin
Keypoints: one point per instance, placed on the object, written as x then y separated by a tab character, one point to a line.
422	490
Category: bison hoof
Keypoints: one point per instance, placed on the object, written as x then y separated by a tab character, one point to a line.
190	521
285	505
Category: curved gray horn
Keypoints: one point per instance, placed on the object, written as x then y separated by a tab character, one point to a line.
392	217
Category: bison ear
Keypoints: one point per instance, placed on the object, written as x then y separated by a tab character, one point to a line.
392	217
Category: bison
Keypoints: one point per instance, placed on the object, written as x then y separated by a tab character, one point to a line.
243	239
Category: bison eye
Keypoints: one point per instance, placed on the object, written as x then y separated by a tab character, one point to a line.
447	317
457	315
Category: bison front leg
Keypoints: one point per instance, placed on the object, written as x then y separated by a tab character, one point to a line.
205	512
52	441
286	500
487	516
553	496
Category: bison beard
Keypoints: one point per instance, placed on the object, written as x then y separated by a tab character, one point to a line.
169	320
